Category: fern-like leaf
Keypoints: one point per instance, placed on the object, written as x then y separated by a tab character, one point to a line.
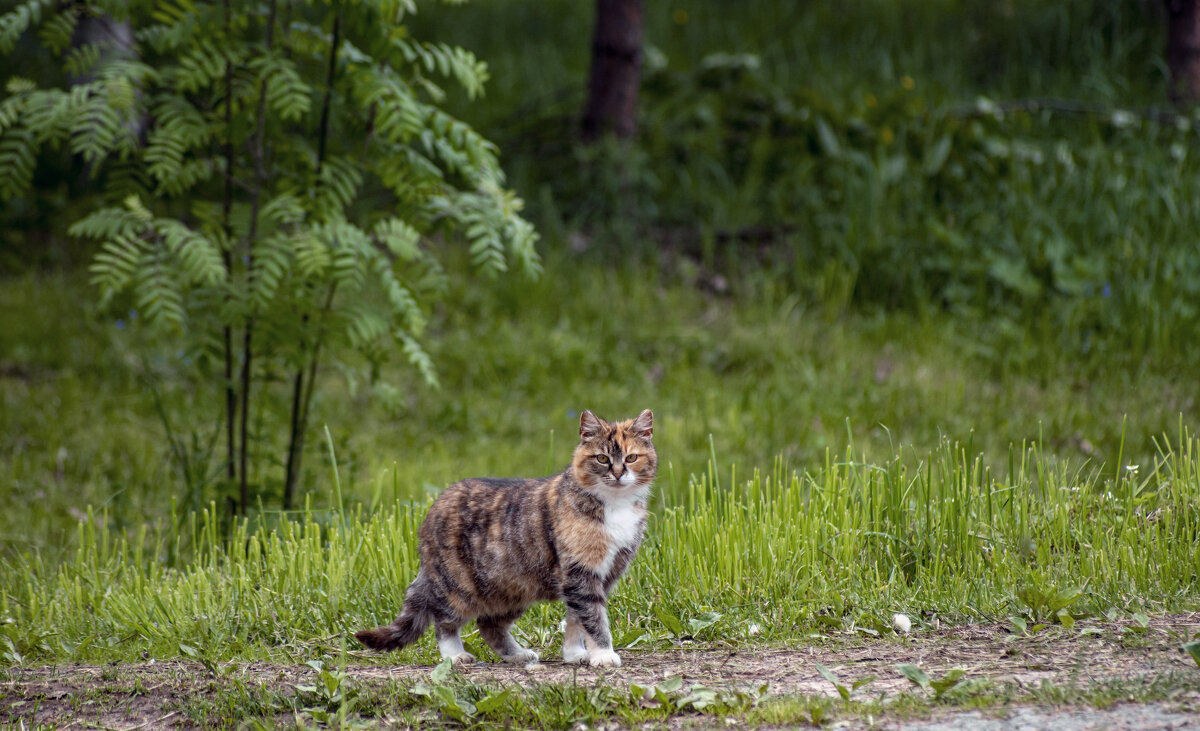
179	129
337	187
15	22
116	265
417	357
158	292
94	130
287	93
57	31
400	238
80	61
199	67
108	223
18	155
199	257
272	262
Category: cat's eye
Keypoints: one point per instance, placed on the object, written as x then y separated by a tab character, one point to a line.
602	458
631	458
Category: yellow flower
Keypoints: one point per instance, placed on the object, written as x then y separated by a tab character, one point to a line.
886	135
907	82
680	16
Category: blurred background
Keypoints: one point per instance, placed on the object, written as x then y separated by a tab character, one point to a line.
785	226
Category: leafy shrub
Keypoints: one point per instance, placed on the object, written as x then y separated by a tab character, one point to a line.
278	181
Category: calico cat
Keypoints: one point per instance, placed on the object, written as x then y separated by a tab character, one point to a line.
491	547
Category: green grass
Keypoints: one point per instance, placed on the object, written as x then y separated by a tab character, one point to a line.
844	466
767	376
845	542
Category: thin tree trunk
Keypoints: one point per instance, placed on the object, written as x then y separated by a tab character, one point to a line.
260	181
304	385
301	397
331	70
1183	50
295	441
616	69
227	224
247	352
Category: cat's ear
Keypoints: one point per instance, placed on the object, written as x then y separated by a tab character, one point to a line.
643	426
590	425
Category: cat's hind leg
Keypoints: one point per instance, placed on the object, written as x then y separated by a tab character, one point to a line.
497	632
450	643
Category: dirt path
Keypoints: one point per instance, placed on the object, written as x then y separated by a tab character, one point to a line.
150	695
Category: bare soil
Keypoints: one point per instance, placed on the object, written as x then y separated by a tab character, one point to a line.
156	694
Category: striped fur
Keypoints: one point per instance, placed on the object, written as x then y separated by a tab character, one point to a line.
491	547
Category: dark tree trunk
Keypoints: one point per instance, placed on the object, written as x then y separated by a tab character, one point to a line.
616	69
1183	49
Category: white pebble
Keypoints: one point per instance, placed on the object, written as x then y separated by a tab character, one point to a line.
901	623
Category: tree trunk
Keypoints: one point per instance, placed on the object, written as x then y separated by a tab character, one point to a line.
1183	50
616	69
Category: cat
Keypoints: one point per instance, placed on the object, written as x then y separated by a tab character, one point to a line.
491	547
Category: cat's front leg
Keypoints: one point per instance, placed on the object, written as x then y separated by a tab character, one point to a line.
574	649
587	619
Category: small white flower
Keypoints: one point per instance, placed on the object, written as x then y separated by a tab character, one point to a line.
1131	468
754	630
901	623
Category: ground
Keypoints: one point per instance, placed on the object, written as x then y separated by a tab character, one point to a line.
1094	675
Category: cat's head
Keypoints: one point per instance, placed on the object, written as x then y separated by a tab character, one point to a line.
615	458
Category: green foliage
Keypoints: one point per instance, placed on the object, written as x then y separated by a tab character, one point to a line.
669	696
1049	603
935	686
843	691
1193	649
1037	194
285	192
1075	217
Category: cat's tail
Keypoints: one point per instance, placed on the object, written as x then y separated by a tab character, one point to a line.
408	627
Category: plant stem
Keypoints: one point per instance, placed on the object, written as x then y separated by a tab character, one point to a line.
260	181
295	441
323	131
302	396
227	255
304	385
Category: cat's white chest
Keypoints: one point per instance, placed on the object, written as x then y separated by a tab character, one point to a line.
622	522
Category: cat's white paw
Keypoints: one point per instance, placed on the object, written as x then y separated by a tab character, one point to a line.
463	658
604	659
523	656
574	653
